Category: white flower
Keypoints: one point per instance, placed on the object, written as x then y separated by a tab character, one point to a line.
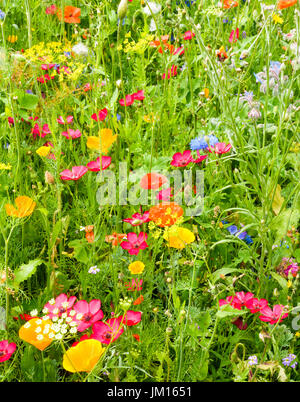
73	330
153	26
80	50
52	301
93	270
38	329
58	337
45	310
151	8
40	337
34	313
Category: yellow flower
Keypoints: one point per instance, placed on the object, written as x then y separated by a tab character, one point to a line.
83	357
103	142
25	206
277	19
178	237
136	267
206	92
43	151
12	38
3	166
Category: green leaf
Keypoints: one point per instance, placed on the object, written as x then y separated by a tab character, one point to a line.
223	271
228	311
28	101
26	271
80	252
282	282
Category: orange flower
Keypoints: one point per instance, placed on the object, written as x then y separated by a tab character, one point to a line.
72	15
103	142
285	4
89	233
165	214
230	3
152	181
25	206
115	238
138	301
221	54
37	332
83	357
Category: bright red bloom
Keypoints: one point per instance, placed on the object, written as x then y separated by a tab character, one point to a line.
6	350
171	72
241	299
95	166
100	116
152	181
41	132
182	159
107	332
220	148
138	219
62	304
76	173
135	243
24	317
188	35
137	337
91	313
200	158
273	316
70	133
255	305
131	318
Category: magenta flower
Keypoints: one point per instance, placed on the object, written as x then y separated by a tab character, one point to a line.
135	243
234	35
70	133
182	159
171	72
165	194
69	120
129	99
138	219
6	350
255	305
179	50
131	318
62	304
220	148
107	332
47	67
240	324
76	173
139	95
134	285
228	300
241	299
188	35
273	316
95	166
87	313
41	132
200	158
51	9
100	116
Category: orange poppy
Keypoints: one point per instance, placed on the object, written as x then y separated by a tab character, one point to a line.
83	357
230	3
115	238
285	4
165	214
37	332
24	207
71	16
138	301
156	42
89	233
152	181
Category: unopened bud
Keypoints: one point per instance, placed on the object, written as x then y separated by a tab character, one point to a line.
122	9
49	179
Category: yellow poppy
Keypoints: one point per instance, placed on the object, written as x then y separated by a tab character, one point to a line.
25	206
178	237
83	357
37	332
136	267
43	151
103	142
12	38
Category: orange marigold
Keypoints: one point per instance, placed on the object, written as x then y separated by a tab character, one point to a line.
165	214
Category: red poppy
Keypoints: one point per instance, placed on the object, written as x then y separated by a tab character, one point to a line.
100	116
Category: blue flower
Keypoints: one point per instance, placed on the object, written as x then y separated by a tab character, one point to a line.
213	140
198	143
2	15
232	229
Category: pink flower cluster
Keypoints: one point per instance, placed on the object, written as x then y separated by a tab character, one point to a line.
129	99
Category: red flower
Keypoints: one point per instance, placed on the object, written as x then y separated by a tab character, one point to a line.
107	332
138	301
171	72
241	299
138	219
255	305
6	350
36	130
51	9
188	35
182	159
200	158
134	285
135	243
100	116
239	323
137	337
75	174
139	95
95	166
129	99
131	318
234	35
273	316
220	148
70	133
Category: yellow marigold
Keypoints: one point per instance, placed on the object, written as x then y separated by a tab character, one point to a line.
136	267
103	142
43	151
178	237
25	206
83	357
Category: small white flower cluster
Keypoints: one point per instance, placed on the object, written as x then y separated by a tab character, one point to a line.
63	324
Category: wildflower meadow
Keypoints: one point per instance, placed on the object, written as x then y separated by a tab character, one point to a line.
149	191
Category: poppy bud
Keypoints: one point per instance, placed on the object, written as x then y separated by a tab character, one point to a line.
49	179
122	9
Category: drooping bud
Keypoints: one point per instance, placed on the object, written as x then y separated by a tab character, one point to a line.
122	9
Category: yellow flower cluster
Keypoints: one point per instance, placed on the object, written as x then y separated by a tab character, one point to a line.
3	166
52	52
136	47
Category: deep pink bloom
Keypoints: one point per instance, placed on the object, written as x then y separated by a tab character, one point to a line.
220	148
234	35
228	300
240	324
69	120
139	95
41	132
45	78
47	67
179	50
188	35
273	316
165	194
131	318
182	159
240	299
200	157
6	350
95	166
138	219
11	121
70	133
255	305
100	116
134	285
91	313
107	332
171	72
129	99
135	243
76	173
62	304
51	9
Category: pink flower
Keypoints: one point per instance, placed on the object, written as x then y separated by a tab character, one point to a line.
188	35
179	50
107	332
51	9
240	324
273	316
131	318
255	305
69	120
76	173
138	219
228	300
91	313
11	121
182	159
200	158
165	194
134	285
171	72
60	305
95	166
36	130
6	350
135	243
220	148
129	99
45	78
70	133
234	35
139	95
240	299
100	116
47	67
